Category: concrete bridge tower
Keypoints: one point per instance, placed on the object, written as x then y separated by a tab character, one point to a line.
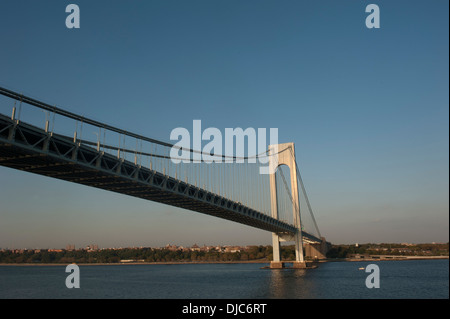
284	154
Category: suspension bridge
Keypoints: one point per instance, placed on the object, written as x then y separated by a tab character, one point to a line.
40	138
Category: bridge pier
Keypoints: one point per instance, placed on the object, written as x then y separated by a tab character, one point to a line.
276	265
282	265
299	265
276	249
317	251
287	158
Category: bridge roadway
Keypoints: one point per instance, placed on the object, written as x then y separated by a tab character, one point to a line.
28	148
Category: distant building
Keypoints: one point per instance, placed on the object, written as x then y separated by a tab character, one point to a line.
195	248
173	247
207	248
232	249
92	247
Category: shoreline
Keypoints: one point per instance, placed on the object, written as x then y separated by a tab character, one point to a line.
372	259
385	258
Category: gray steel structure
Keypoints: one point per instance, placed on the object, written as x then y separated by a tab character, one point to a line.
29	148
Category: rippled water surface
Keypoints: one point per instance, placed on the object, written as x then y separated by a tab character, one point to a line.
343	280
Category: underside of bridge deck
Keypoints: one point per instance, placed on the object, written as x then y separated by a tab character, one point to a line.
27	148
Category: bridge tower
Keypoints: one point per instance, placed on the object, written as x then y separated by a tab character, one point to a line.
284	154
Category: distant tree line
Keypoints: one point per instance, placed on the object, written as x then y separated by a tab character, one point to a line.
344	251
253	253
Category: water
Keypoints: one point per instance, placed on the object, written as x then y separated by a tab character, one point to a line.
424	279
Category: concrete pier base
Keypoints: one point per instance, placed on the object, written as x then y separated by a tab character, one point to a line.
295	265
299	265
276	265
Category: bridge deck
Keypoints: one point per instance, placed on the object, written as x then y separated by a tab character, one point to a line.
28	148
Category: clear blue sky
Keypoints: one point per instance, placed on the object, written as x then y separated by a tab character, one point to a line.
368	110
